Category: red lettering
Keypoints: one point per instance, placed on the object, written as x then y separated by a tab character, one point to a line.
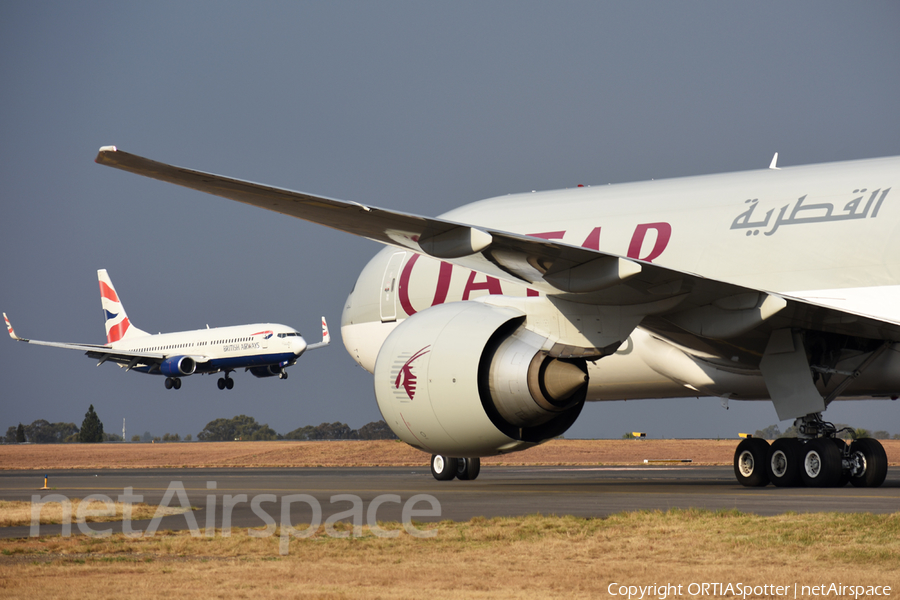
592	241
491	284
440	291
663	234
549	235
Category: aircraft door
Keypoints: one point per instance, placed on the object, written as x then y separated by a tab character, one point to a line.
389	287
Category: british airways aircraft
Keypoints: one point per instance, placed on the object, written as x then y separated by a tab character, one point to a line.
264	349
489	327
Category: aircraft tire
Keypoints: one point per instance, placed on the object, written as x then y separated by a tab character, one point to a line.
176	383
468	468
443	467
221	383
229	383
750	462
869	454
169	383
783	462
820	463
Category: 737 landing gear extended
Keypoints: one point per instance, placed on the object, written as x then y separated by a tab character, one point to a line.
817	460
445	468
225	382
173	382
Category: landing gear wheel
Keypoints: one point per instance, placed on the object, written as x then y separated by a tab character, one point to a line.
221	383
820	463
176	383
229	383
169	383
750	462
443	467
868	463
783	462
468	468
283	375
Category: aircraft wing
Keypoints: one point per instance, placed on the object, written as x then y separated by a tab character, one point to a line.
103	353
676	301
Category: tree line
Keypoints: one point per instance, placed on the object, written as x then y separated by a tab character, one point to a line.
845	432
240	427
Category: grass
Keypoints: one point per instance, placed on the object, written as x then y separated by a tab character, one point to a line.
15	513
525	557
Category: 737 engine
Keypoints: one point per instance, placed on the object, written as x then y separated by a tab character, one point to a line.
468	379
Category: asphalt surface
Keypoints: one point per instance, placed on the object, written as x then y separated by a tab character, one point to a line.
384	493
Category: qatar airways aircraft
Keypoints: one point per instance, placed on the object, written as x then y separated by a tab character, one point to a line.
264	349
489	327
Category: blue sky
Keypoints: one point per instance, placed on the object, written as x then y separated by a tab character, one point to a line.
418	107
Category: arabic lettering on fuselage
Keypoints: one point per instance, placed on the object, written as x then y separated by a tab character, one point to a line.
802	213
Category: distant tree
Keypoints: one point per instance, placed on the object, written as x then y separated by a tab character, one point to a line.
171	437
20	434
240	427
628	436
112	437
896	436
10	437
91	428
377	430
881	435
147	437
859	433
772	432
790	432
188	438
135	438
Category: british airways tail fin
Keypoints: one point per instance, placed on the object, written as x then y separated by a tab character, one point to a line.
118	327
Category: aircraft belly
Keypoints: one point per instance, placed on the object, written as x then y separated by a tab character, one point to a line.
239	362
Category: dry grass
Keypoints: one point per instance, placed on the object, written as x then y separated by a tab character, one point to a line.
526	557
15	513
49	457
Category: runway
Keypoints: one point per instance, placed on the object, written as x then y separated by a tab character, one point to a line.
499	491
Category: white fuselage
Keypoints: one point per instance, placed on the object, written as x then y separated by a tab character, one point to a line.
826	233
224	348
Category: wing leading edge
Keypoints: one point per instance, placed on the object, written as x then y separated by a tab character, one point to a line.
700	306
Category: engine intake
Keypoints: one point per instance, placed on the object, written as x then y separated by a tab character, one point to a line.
178	366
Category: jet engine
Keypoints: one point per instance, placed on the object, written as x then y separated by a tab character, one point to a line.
178	366
468	379
268	371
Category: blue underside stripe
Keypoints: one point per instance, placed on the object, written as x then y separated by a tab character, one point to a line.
237	362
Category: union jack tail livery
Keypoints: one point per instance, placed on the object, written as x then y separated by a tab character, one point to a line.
118	327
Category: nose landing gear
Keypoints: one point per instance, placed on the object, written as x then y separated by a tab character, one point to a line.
445	468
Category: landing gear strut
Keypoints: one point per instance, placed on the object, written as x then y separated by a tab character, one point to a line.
816	459
445	468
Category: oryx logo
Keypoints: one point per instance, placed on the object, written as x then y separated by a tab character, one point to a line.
406	378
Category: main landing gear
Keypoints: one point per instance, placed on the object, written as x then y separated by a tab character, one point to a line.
445	468
818	459
225	382
173	382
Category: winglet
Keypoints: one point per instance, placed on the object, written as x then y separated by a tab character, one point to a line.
774	162
13	335
326	337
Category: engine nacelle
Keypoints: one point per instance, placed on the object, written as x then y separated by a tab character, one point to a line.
178	366
467	379
269	371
